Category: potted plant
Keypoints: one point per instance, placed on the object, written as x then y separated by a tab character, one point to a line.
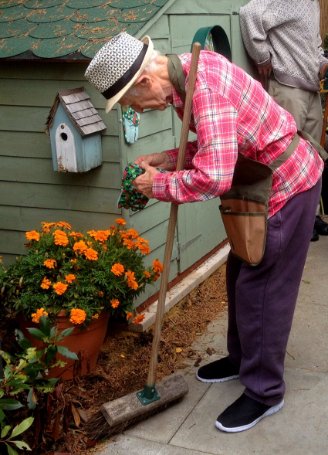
79	279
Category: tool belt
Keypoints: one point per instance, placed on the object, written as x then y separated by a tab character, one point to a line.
244	208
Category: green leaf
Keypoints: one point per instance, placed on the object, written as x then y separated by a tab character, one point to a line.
6	357
11	451
53	333
67	353
2	416
45	325
22	445
66	332
23	426
5	430
31	399
9	404
22	341
36	333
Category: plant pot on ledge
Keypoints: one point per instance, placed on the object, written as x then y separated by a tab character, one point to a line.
85	342
83	275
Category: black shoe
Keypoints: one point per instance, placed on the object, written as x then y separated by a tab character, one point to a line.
320	226
315	235
244	413
219	371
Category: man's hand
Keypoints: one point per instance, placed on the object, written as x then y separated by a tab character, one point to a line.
264	71
144	183
324	71
155	160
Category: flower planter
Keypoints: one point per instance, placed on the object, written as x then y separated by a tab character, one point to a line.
86	343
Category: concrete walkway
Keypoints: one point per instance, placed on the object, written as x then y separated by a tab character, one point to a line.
300	428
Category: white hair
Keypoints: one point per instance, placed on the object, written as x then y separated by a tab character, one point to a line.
149	68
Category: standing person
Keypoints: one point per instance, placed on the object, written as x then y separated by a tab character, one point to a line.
283	39
232	115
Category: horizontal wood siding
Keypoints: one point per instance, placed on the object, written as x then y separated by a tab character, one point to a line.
30	191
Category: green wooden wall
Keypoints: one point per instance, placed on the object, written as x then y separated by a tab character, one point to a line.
31	192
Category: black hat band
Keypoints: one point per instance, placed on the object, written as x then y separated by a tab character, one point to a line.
127	76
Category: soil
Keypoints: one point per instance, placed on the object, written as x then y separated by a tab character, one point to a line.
72	413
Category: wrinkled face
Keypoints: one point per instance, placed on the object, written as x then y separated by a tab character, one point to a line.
145	96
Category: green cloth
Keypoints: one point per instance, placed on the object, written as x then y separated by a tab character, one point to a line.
130	198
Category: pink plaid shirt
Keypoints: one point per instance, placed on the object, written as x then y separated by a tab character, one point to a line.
232	114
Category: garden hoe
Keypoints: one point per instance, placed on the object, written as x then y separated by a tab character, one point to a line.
127	410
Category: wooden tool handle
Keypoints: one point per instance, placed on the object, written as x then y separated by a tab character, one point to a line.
173	217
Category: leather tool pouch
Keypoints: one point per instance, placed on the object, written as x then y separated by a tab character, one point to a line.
244	208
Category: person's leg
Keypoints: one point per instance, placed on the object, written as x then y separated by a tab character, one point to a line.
313	123
266	297
293	100
226	368
306	109
265	301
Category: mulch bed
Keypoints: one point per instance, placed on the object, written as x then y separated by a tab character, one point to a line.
71	425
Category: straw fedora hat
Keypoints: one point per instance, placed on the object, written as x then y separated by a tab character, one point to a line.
117	65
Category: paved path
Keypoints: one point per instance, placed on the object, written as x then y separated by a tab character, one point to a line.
300	428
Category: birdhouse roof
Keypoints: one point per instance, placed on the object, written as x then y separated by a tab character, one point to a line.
68	29
79	108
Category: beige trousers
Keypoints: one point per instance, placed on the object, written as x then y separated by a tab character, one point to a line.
305	107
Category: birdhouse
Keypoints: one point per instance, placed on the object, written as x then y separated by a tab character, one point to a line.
75	128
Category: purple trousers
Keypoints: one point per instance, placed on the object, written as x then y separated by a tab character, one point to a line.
261	299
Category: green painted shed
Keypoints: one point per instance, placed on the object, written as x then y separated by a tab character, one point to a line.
45	47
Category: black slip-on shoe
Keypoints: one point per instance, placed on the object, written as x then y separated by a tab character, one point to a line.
320	226
244	414
218	371
315	235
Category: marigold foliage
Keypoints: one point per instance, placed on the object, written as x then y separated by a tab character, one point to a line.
81	274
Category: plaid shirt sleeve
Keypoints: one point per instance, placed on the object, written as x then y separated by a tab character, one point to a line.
213	164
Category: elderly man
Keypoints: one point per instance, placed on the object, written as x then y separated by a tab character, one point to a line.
232	116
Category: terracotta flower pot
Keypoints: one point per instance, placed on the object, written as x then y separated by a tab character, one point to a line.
86	343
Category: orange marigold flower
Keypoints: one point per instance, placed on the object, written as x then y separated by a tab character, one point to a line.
32	235
147	274
47	226
80	247
64	224
78	316
120	221
129	315
50	263
117	269
132	233
45	284
60	287
143	246
128	243
138	319
100	236
38	314
91	254
157	266
70	278
76	235
114	303
60	237
131	280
